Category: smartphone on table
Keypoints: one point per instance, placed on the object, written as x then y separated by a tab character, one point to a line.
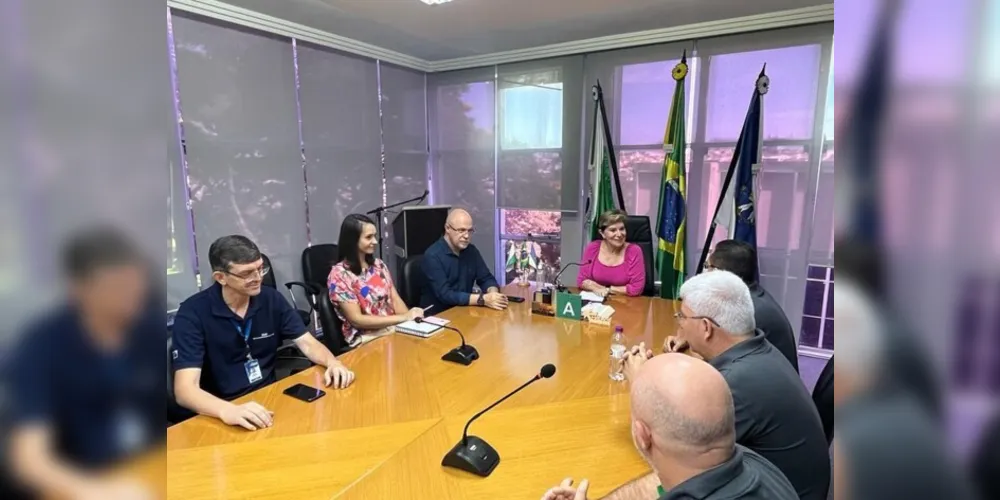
305	393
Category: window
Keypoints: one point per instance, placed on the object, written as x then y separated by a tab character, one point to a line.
531	110
241	131
529	165
790	105
817	313
529	170
728	68
646	95
783	181
461	113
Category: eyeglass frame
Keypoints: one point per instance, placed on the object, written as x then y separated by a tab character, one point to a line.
260	272
679	315
470	231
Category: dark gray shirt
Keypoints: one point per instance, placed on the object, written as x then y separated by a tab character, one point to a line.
775	415
746	475
892	449
772	321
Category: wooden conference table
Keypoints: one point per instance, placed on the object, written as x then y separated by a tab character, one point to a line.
384	437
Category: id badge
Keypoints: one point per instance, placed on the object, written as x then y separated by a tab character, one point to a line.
253	370
131	431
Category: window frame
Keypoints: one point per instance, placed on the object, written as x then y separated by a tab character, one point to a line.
502	235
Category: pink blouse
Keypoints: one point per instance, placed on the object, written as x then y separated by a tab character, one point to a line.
631	273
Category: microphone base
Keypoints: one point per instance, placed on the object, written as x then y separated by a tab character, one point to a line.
475	456
561	288
463	355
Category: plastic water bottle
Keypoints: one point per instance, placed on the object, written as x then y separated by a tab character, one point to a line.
540	277
617	371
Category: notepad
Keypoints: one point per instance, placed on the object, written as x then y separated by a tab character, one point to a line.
423	329
434	320
591	297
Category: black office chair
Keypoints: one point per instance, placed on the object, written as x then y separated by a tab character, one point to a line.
823	399
270	280
412	280
290	360
639	232
317	261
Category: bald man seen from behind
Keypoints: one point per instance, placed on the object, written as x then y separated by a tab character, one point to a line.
683	425
453	266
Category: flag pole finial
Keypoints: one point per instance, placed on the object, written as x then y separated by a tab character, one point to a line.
684	56
762	70
596	90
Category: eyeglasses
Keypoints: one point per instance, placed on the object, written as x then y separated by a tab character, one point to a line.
679	316
259	272
469	231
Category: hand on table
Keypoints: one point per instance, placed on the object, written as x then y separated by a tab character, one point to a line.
495	300
251	416
337	376
566	491
414	313
634	359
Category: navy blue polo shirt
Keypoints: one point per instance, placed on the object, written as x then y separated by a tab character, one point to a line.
209	335
101	406
450	277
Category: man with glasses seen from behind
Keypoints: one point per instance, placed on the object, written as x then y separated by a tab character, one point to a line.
453	266
226	338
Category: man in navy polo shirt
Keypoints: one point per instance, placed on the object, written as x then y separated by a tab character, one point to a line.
453	266
85	385
231	332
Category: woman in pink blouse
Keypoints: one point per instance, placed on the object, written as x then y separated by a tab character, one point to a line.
611	265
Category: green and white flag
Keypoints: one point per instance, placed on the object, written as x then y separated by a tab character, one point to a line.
601	168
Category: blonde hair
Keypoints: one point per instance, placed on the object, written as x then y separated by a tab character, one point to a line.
611	217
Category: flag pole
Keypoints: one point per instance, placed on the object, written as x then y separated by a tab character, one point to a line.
595	91
610	145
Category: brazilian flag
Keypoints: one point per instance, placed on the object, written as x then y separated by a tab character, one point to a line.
671	214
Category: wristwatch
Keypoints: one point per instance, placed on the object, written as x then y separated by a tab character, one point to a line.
481	301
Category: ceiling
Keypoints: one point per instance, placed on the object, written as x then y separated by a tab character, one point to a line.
465	28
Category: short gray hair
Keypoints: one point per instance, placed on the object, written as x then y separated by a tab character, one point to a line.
861	341
723	297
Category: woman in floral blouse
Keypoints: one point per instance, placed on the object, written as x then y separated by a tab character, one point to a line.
360	285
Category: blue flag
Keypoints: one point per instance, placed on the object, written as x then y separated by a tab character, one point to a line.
744	227
862	144
736	210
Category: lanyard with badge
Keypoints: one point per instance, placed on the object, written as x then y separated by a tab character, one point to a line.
130	430
251	366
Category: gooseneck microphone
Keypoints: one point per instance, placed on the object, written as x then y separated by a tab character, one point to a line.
555	281
464	354
475	455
